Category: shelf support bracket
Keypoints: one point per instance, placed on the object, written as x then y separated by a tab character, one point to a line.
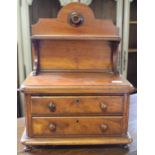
36	57
114	55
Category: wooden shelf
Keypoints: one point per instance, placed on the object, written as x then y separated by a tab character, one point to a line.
75	37
133	50
133	22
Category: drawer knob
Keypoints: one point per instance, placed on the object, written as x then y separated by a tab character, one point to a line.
104	127
52	127
52	107
103	106
75	19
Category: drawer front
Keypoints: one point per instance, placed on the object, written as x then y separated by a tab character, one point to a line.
76	126
102	105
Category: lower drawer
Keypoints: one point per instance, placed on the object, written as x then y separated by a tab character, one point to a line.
75	126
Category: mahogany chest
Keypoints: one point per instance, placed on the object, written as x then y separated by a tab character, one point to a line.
75	95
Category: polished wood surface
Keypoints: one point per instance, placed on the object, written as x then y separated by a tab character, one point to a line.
75	60
60	82
74	55
86	150
70	141
60	26
79	47
40	123
76	126
80	105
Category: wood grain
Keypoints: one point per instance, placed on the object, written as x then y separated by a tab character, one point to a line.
75	48
78	149
75	79
78	141
60	25
27	107
77	105
76	126
74	83
70	56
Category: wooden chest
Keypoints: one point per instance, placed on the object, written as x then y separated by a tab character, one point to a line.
75	95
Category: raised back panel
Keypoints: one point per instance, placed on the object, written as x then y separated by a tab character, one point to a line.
60	45
74	55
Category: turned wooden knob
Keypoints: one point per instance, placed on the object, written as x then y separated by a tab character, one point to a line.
75	18
104	127
52	106
52	127
103	106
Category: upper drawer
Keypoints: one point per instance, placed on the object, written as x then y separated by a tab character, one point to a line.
72	105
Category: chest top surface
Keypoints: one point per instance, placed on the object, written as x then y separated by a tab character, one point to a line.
74	41
76	83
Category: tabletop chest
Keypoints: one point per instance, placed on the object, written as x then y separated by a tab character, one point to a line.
75	95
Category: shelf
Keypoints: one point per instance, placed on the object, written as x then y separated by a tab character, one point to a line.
76	37
133	22
133	50
133	36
